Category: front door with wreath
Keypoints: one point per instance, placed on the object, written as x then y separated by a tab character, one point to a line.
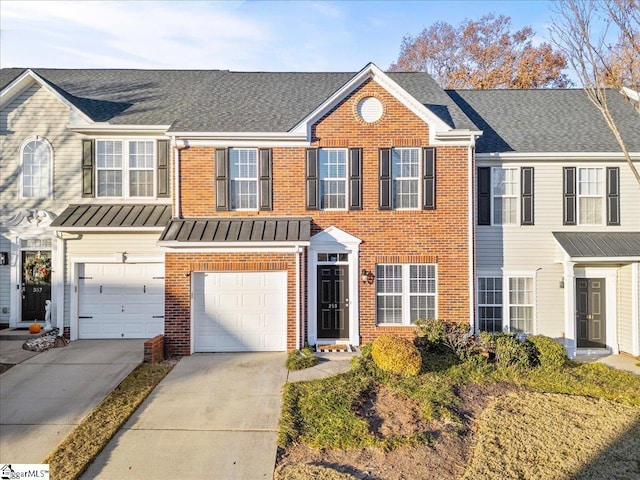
36	284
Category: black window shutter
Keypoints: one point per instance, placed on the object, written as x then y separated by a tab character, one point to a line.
266	179
569	193
613	196
484	195
312	179
163	169
429	178
355	179
88	172
222	179
526	196
385	179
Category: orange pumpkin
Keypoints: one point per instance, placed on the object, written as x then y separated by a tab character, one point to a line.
34	328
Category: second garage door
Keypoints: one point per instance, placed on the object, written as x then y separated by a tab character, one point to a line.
240	311
120	300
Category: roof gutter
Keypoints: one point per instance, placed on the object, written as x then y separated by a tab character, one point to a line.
555	155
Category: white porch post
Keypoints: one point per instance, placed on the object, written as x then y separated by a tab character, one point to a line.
635	308
569	308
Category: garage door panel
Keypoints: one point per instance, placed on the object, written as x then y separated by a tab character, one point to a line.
120	300
231	313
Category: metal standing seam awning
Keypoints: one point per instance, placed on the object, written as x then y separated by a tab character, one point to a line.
105	217
600	246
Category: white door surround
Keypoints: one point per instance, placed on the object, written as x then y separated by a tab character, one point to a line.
334	240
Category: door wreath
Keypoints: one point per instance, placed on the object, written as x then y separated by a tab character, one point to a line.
37	270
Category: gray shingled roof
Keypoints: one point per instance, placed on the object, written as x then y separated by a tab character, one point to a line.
113	216
238	229
599	244
218	100
546	121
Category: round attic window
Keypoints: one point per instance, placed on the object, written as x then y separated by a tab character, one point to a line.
370	109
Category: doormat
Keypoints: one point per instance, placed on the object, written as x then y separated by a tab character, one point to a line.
333	348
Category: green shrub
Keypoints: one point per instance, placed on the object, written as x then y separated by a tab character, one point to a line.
511	352
299	359
396	355
436	334
550	352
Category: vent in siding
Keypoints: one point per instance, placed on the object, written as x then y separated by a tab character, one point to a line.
370	109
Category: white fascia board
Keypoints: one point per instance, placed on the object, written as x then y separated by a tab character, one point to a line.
106	128
604	259
250	136
24	80
554	156
247	142
106	229
371	71
455	137
631	94
194	247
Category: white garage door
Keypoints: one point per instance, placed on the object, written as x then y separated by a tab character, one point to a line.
240	311
120	300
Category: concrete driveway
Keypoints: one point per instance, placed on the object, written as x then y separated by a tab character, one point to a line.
43	398
213	416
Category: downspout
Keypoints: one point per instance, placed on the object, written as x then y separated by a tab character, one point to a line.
298	323
178	145
635	308
471	237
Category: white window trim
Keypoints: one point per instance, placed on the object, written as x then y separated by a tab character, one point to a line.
256	180
603	196
322	179
516	195
125	167
418	178
501	305
406	294
506	300
25	142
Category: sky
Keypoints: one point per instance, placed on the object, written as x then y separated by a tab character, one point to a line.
233	35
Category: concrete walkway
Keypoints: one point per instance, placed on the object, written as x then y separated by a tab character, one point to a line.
615	361
45	396
213	416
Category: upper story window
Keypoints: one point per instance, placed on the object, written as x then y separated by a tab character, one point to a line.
591	196
125	168
333	178
405	293
37	168
505	195
405	171
243	178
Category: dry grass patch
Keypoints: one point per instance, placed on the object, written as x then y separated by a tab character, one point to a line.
309	472
554	436
76	452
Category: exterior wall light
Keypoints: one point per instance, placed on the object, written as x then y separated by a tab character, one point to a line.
367	276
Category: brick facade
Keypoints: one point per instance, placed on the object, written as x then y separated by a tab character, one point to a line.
423	236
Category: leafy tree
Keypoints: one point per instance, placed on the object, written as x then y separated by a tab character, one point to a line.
583	30
482	54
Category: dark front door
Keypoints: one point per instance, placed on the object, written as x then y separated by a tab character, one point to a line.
590	309
36	284
333	301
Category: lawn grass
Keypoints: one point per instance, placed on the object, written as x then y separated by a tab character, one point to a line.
76	452
554	436
321	413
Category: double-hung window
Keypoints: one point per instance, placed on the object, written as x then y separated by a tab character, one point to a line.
37	160
125	168
405	293
243	178
591	193
405	170
332	164
504	195
490	304
521	298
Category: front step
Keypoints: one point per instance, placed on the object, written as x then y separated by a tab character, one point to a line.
17	334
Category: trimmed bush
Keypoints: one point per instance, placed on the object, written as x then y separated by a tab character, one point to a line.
438	335
511	352
299	359
550	352
396	355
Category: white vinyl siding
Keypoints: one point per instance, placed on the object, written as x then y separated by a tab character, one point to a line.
37	162
405	293
405	172
624	309
243	178
591	192
504	196
333	178
116	177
